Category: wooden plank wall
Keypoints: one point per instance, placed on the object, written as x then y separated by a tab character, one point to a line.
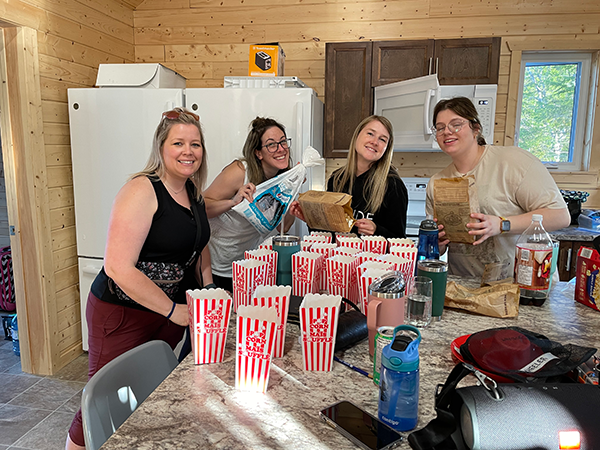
74	37
205	40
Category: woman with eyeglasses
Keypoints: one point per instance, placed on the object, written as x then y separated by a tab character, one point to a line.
266	154
511	184
158	230
379	197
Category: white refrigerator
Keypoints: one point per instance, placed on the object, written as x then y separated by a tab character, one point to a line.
112	130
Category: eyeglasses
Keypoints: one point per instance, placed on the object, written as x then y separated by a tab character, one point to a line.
174	115
454	127
273	146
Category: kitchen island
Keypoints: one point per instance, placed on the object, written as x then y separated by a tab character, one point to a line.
197	407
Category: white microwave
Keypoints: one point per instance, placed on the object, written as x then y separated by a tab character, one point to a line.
409	106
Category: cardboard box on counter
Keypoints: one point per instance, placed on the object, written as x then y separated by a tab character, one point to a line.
266	60
587	283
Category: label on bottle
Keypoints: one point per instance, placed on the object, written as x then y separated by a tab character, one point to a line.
532	268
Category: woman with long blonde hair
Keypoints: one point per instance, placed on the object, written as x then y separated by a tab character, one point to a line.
379	197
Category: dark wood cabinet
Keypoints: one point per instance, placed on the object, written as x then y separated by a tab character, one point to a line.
348	97
401	60
566	263
467	61
353	69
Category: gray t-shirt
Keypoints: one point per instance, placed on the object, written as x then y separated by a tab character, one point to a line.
510	181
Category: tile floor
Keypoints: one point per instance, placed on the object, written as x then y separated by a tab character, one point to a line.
36	411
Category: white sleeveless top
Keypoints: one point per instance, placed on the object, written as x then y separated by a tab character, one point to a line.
230	236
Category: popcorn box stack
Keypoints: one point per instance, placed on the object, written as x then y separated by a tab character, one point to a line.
209	310
306	272
267	243
364	281
327	251
404	265
278	298
375	244
325	235
401	242
256	332
247	275
318	324
341	277
378	264
308	241
268	256
406	252
349	241
366	256
348	251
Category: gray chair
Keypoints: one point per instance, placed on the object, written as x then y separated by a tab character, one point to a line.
116	390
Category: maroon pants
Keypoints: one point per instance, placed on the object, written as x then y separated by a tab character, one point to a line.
115	329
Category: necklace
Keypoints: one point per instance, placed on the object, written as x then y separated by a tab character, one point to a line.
173	190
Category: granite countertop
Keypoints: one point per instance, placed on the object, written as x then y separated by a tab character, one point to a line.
198	407
574	233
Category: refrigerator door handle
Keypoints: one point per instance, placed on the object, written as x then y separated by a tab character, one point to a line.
299	107
91	269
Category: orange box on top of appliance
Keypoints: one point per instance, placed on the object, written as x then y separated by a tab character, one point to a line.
266	60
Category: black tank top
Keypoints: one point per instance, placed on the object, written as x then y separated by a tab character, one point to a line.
170	239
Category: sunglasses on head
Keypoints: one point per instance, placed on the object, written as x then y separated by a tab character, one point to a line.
173	114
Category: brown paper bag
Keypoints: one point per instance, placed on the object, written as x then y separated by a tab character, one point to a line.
499	300
330	211
454	200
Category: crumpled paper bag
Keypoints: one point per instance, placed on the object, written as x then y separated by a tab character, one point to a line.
499	300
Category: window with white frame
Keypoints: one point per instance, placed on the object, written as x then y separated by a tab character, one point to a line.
554	117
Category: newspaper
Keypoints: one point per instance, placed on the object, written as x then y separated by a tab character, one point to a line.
329	211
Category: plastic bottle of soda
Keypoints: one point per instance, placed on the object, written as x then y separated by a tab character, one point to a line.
533	260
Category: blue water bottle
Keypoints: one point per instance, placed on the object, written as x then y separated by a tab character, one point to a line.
399	382
14	331
428	247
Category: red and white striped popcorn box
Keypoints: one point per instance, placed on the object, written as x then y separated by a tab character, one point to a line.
327	251
277	297
318	325
349	241
348	251
247	275
377	264
404	265
312	238
328	237
305	246
341	277
341	234
365	280
255	340
408	253
306	272
267	243
366	256
375	244
401	242
209	310
268	256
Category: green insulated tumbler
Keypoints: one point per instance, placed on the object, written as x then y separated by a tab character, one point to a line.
438	272
285	246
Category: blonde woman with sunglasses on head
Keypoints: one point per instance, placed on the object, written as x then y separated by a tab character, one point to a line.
158	229
511	184
266	154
